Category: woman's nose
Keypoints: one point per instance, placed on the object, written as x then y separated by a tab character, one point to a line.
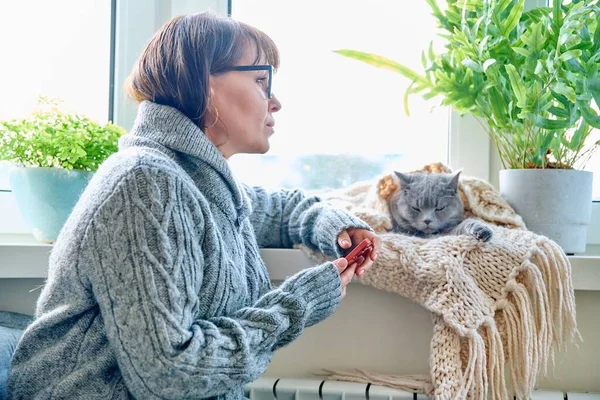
274	104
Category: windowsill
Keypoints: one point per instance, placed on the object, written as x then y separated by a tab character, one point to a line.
21	256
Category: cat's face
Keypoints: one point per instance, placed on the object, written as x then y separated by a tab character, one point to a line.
427	203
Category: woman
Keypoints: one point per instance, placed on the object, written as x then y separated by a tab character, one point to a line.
156	288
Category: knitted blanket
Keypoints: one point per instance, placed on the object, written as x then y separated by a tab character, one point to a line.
508	302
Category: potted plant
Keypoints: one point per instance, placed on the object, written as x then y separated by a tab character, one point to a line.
55	154
532	80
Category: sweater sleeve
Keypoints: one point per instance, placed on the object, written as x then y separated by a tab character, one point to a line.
284	218
144	246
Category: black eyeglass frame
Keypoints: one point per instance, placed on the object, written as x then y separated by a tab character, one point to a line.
259	67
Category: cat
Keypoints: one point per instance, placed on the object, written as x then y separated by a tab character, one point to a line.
429	204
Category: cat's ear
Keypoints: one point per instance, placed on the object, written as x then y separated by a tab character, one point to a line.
405	179
454	181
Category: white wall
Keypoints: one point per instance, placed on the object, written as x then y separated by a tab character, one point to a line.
382	332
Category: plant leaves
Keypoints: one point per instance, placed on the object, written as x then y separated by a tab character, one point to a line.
543	146
585	33
407	93
469	5
522	51
534	38
430	52
488	63
498	105
593	87
596	39
502	4
539	67
589	115
537	14
51	137
557	16
575	113
437	12
559	112
570	54
517	85
576	66
513	18
530	76
550	124
578	139
565	90
562	99
467	62
382	62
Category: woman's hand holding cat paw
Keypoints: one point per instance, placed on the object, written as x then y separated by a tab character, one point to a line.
351	237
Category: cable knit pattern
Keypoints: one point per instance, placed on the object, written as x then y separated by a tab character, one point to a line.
156	288
507	302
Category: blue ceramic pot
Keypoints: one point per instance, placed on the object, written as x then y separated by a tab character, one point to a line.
46	197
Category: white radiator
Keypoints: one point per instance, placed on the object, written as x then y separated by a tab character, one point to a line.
308	389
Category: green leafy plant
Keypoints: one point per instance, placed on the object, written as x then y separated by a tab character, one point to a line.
50	137
531	78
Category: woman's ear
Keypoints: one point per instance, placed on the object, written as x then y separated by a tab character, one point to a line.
211	114
211	95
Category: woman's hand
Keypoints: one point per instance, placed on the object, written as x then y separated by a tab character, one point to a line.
353	236
346	272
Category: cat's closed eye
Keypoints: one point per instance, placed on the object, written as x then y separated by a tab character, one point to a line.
440	208
417	209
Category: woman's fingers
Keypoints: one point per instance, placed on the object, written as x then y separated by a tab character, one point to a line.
341	264
344	240
347	276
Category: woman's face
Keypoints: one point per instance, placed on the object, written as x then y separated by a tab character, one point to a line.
240	110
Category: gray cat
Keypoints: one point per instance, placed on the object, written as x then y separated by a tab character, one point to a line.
429	204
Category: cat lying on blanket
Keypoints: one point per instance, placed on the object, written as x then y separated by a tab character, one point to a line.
429	204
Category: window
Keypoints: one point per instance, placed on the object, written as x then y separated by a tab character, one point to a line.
594	166
58	49
342	120
55	49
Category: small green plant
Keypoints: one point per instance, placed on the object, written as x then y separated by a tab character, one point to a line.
530	78
50	137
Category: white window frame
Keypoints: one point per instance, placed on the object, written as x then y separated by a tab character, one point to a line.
469	146
466	137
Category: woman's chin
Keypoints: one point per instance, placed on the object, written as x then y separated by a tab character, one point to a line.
261	148
265	146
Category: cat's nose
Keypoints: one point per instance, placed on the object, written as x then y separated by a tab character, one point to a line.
427	221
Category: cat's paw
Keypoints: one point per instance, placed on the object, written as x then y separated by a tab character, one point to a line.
482	232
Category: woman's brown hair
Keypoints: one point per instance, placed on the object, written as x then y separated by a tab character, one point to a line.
174	67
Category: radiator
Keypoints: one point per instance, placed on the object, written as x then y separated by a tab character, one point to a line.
308	389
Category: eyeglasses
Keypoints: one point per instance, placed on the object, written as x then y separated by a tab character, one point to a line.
265	67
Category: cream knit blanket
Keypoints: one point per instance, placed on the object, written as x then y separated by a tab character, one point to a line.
506	302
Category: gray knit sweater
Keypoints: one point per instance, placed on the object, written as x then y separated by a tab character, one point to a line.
156	289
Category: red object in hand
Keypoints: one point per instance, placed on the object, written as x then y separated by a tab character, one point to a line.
363	249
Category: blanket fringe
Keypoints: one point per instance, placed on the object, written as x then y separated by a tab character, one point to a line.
495	363
409	383
535	315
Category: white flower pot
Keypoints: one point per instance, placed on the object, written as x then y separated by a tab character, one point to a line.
556	203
